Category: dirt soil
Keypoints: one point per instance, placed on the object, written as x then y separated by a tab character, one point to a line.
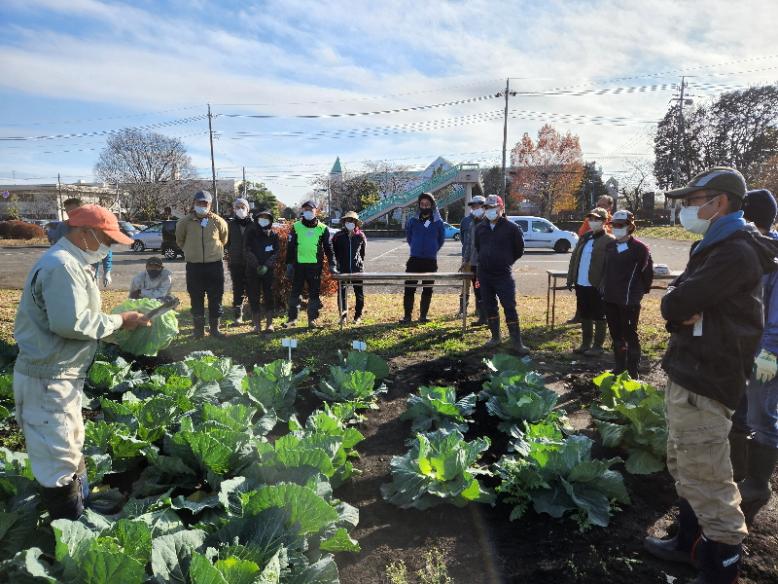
478	541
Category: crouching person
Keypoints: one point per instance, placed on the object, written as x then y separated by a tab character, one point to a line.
629	272
154	282
499	243
261	255
585	274
58	324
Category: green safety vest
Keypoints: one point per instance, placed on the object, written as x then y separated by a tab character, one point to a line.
308	242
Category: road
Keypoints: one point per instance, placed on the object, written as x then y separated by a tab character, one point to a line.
383	255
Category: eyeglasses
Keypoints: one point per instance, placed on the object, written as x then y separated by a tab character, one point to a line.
688	202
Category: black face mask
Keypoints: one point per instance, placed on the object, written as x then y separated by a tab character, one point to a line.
153	273
424	211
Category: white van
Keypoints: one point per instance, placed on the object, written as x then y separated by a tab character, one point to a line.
541	233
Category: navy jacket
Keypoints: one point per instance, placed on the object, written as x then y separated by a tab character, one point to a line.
425	237
498	248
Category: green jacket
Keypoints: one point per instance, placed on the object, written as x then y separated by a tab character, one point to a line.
60	317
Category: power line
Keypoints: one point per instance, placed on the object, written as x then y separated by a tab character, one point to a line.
100	119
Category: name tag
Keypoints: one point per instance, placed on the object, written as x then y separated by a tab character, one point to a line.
203	222
697	330
309	233
427	223
268	248
622	247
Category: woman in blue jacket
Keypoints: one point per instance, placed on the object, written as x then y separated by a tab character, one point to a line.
425	234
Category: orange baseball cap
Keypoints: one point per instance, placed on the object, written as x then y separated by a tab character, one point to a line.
98	217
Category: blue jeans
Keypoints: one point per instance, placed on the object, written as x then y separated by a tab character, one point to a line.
758	412
502	286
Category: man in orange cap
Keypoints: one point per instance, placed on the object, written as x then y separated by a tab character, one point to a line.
58	324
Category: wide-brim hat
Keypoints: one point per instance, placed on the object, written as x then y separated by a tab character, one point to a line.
598	213
352	215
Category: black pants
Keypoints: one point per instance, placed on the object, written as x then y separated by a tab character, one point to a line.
205	280
623	326
418	265
589	303
359	295
306	274
502	286
238	275
260	292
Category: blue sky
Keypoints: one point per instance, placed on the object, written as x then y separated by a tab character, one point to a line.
80	66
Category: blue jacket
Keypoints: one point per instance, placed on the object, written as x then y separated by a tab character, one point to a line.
770	335
425	237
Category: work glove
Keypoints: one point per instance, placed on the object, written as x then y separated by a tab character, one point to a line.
290	271
334	270
107	279
261	271
765	366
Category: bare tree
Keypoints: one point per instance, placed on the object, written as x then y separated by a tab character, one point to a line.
148	166
638	181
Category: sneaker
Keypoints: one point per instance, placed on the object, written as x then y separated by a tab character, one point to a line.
314	324
405	320
423	320
290	324
357	320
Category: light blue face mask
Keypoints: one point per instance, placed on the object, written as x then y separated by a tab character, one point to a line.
98	255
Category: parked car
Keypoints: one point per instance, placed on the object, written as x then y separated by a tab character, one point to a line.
541	233
127	228
161	236
451	231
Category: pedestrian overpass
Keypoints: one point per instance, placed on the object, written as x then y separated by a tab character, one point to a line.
465	176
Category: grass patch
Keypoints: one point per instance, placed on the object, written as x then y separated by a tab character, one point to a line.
675	232
35	242
380	329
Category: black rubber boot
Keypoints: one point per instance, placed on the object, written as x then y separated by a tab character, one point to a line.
719	562
424	307
620	360
407	308
755	489
237	315
64	502
587	333
738	454
633	362
269	328
600	328
198	323
481	311
679	547
213	329
494	327
256	322
515	332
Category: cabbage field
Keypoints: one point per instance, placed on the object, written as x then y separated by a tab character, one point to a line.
203	470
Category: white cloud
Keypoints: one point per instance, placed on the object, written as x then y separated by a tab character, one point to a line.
342	54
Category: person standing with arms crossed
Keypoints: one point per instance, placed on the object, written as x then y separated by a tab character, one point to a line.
715	318
202	236
425	235
58	324
262	247
236	259
349	245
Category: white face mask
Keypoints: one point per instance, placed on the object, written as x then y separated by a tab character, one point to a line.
97	256
308	215
478	212
351	226
491	214
201	211
691	221
241	213
620	232
595	225
264	222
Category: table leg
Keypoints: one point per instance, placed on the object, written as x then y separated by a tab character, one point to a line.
548	298
340	308
553	304
465	289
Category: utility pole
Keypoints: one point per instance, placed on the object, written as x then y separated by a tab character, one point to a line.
59	198
244	182
213	164
508	93
679	135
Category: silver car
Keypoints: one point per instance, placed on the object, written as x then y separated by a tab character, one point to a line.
541	233
149	238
